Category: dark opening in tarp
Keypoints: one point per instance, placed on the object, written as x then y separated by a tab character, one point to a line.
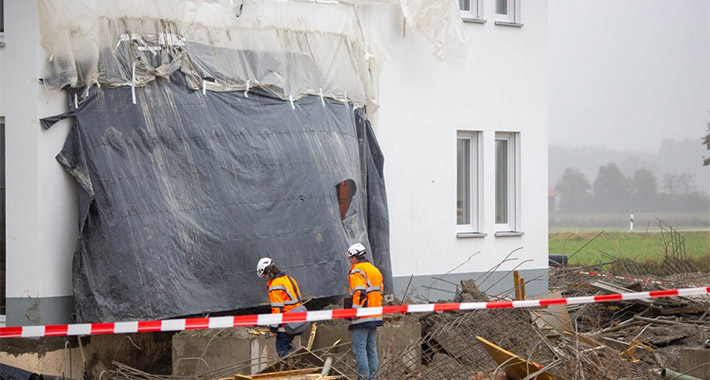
183	192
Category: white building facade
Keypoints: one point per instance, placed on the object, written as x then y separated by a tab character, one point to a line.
41	211
466	153
465	146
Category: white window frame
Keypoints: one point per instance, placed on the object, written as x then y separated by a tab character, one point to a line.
511	224
474	185
473	14
513	15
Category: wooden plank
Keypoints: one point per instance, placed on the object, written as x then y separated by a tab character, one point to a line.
290	374
516	285
278	376
515	367
304	358
312	336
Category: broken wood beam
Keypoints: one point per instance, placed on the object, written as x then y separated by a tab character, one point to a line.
519	286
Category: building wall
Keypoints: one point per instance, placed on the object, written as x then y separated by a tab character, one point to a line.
41	211
501	86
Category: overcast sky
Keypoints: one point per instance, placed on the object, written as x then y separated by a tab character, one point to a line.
628	74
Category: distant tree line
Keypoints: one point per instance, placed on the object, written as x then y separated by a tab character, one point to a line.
612	191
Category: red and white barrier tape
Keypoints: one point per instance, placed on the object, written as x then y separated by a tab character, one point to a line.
314	316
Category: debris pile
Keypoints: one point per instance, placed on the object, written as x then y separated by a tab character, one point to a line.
639	339
609	340
632	339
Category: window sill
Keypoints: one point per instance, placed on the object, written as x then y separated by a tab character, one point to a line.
474	20
509	233
508	23
471	235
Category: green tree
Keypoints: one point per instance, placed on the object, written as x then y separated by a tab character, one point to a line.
574	191
611	189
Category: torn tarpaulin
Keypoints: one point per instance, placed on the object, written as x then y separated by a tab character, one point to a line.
183	192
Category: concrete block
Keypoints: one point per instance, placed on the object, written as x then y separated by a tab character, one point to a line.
695	362
61	356
66	362
396	339
197	351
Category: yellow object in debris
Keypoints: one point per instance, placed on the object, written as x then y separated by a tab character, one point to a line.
312	336
258	330
629	352
513	365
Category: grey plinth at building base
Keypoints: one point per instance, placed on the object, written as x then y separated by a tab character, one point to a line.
433	288
26	311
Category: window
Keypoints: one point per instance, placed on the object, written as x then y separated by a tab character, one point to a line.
467	182
508	11
507	179
471	9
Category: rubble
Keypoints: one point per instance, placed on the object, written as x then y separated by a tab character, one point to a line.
610	340
641	339
636	339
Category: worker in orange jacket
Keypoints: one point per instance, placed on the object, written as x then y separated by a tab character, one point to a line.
284	296
366	291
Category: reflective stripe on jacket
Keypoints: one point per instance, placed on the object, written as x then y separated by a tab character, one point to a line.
366	290
283	297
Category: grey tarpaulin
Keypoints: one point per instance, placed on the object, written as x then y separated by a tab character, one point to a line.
183	192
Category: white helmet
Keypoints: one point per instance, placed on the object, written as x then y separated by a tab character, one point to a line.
356	249
264	263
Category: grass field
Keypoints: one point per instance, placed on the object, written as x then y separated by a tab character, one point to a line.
582	248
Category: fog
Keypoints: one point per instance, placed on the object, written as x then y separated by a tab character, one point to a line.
629	105
626	75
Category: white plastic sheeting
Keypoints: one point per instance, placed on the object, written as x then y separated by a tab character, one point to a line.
234	153
288	48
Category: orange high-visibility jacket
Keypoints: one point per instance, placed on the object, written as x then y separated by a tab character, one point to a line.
283	296
366	289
